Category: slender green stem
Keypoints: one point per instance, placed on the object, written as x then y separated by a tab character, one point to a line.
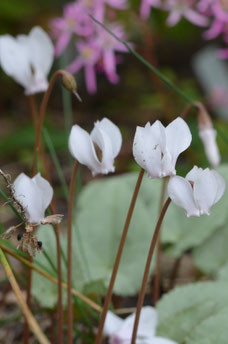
147	64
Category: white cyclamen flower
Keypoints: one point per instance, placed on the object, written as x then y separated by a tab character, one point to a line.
198	191
35	195
120	331
157	148
106	135
208	137
28	59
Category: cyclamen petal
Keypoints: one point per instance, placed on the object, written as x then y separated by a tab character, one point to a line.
208	137
181	193
28	59
35	194
157	148
108	138
120	331
82	149
198	197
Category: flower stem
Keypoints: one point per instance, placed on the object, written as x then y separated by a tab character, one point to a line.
147	269
157	274
42	113
59	270
33	107
27	313
69	254
118	257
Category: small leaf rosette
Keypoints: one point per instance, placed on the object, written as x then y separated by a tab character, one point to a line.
106	135
198	191
120	330
28	59
157	148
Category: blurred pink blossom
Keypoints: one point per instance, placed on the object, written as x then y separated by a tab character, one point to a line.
184	8
75	20
109	46
146	7
89	54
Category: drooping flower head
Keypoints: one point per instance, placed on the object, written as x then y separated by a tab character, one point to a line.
35	195
208	135
198	191
120	331
157	148
28	59
106	135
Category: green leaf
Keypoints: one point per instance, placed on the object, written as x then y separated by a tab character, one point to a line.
212	330
102	210
44	290
181	310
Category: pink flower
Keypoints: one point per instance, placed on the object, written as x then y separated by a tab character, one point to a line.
108	47
219	9
204	5
75	21
183	8
146	5
89	54
99	7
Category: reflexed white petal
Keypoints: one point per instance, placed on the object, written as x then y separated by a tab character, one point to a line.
41	50
102	139
178	138
45	188
14	60
113	133
82	149
147	324
146	153
28	193
221	186
205	191
28	59
161	340
112	324
194	174
208	137
158	134
181	193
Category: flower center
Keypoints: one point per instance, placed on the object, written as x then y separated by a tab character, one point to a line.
116	340
71	23
87	53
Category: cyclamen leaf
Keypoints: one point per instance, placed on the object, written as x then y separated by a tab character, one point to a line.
212	330
182	309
